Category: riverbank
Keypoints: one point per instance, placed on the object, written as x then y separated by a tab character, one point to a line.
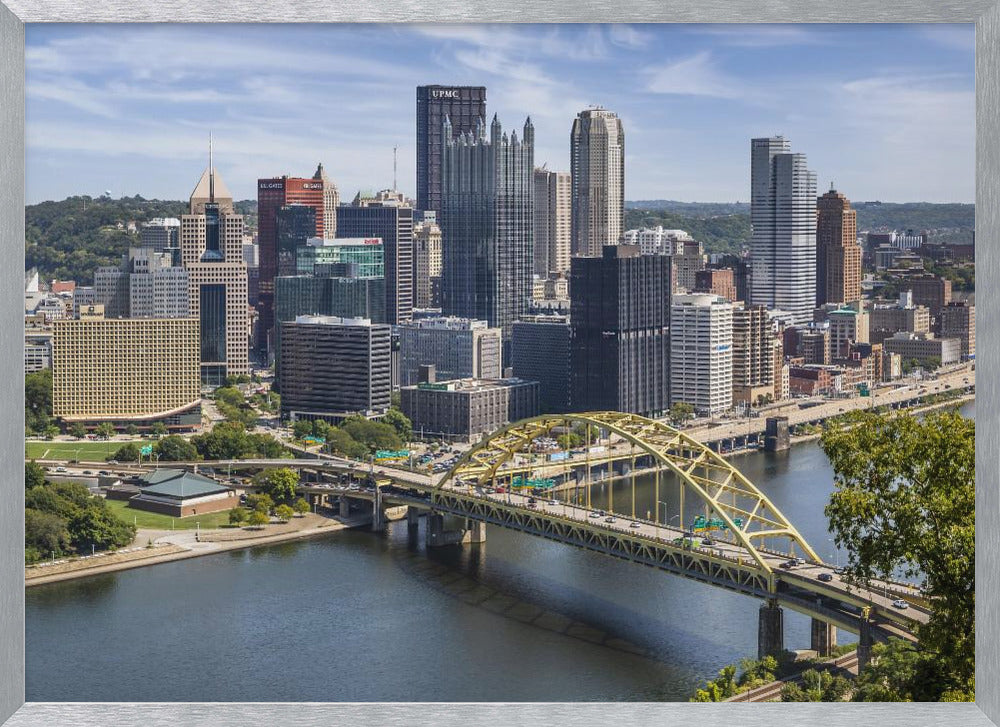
168	546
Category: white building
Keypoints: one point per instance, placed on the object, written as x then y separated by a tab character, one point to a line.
655	240
458	348
701	352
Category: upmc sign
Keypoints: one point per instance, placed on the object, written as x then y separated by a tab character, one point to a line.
445	93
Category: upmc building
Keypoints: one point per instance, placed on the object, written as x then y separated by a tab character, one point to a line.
272	195
464	105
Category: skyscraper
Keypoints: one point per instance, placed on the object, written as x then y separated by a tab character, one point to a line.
597	166
272	195
464	106
393	223
427	264
838	254
620	316
487	224
212	254
783	216
294	224
701	352
331	200
553	192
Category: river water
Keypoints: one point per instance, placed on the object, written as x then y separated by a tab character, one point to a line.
357	616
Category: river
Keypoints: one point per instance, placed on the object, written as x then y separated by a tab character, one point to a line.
357	616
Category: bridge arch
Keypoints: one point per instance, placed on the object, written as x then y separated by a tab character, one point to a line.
724	490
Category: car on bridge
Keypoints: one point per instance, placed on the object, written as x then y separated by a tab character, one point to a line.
825	577
900	604
609	519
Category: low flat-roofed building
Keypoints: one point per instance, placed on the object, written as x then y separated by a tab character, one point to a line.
465	409
179	493
924	347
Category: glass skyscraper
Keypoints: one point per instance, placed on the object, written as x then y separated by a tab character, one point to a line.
487	224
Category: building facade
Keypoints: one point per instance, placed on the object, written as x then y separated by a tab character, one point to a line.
331	201
540	351
925	348
331	368
838	254
427	264
553	214
487	224
463	107
458	348
161	234
783	217
597	170
126	371
958	320
294	225
701	353
466	409
620	318
754	360
717	281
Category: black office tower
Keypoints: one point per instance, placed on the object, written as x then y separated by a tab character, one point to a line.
620	316
464	106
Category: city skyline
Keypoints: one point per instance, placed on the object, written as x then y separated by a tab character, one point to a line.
108	103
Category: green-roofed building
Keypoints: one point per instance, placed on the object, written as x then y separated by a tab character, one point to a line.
179	493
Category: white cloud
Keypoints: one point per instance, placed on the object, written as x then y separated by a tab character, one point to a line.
693	76
760	36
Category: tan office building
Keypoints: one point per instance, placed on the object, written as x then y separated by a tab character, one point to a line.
597	169
126	371
553	192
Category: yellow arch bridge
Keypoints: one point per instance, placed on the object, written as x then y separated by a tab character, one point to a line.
587	497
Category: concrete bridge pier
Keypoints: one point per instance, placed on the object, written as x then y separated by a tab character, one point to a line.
770	629
379	521
345	506
412	520
823	637
451	530
864	642
475	531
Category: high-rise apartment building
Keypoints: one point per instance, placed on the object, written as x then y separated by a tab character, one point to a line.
331	368
540	351
212	255
427	264
458	348
273	194
847	327
392	222
958	320
487	224
689	260
126	371
754	359
701	352
783	216
620	316
553	211
838	254
463	107
597	167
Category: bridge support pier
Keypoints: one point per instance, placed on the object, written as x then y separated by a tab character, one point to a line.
864	643
412	520
770	630
823	637
378	518
449	530
345	507
475	532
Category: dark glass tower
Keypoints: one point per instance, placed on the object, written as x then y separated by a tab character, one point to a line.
296	223
620	315
487	245
464	105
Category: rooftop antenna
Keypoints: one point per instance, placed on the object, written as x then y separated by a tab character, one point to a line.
211	171
394	150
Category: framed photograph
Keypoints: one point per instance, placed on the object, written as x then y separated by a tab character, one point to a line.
549	364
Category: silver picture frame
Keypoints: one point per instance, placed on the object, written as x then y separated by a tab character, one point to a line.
14	712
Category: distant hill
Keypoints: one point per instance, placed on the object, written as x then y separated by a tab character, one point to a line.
68	239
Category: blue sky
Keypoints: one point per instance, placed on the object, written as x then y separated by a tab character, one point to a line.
885	112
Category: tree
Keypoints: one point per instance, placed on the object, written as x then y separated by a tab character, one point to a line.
302	428
904	501
260	502
95	525
817	686
126	453
34	475
258	519
340	442
237	516
301	507
37	399
176	449
719	689
280	484
158	429
78	430
400	422
105	430
373	435
321	428
680	412
45	532
284	513
132	430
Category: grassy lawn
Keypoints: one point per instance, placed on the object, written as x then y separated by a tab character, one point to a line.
82	450
154	520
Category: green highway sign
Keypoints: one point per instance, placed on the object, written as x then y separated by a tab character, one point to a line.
147	449
542	484
392	454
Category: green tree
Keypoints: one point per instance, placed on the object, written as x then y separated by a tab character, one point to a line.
260	502
400	422
680	412
373	435
816	686
158	429
719	689
301	507
96	525
905	501
126	453
105	430
259	519
281	485
46	533
340	442
321	428
176	449
78	430
132	430
284	513
237	516
302	428
38	400
34	475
